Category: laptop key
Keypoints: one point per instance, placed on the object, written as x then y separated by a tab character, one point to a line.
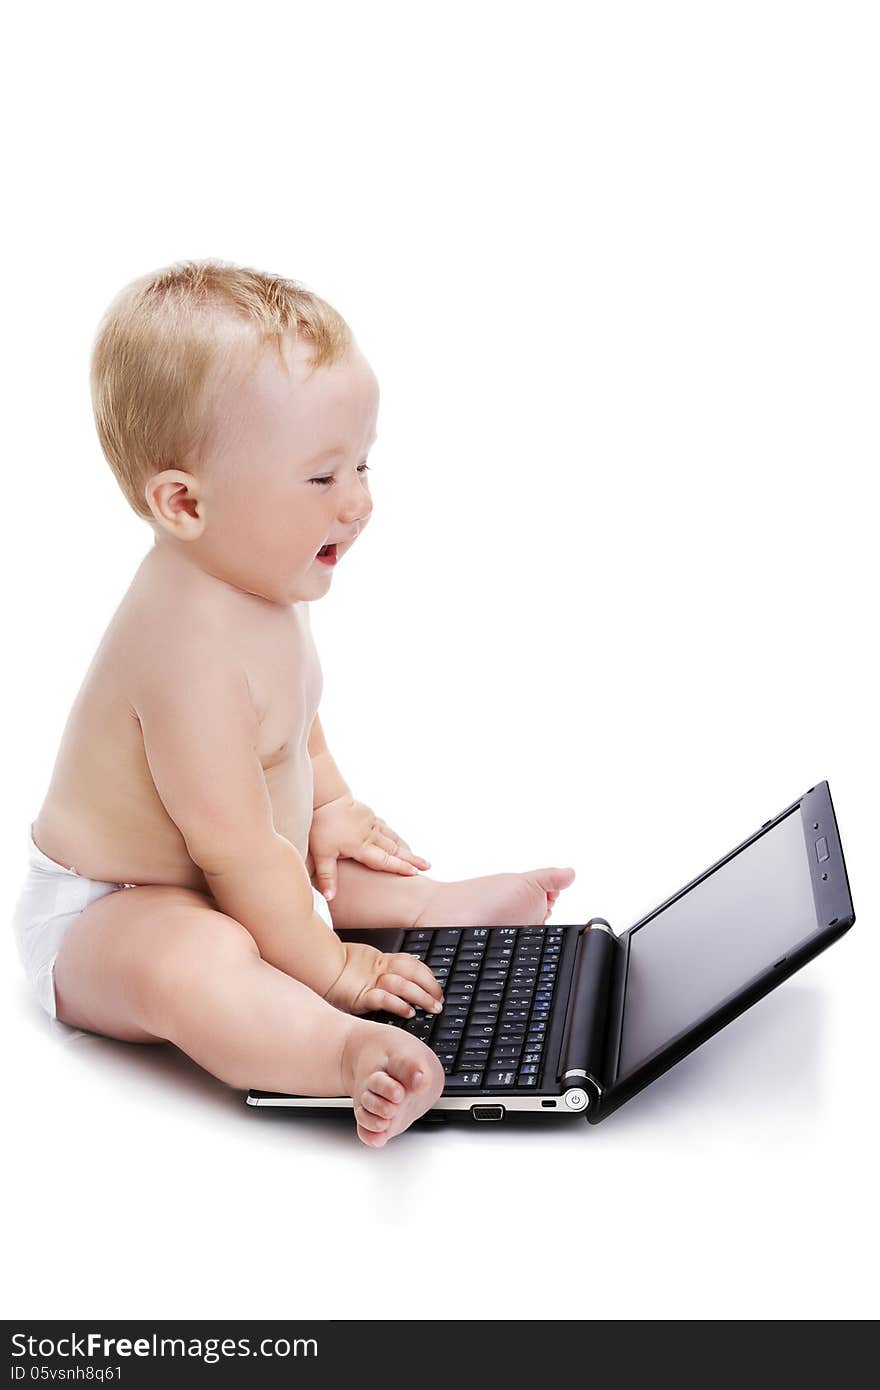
460	1081
445	1042
504	1063
500	1078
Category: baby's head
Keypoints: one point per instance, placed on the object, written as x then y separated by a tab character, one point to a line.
236	412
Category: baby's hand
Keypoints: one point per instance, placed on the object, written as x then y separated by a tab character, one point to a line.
347	829
373	982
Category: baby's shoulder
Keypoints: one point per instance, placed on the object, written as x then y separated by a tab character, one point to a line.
162	630
170	627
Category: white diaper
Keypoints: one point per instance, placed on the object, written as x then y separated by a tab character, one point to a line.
322	907
51	900
49	904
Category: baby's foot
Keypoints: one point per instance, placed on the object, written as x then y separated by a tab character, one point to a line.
499	900
392	1078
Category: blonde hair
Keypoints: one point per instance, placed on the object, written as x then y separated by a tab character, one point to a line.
166	343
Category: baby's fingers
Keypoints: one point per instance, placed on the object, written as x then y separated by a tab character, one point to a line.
377	858
390	840
401	851
411	968
411	992
384	1001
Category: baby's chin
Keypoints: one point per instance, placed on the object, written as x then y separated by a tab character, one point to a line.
279	582
306	586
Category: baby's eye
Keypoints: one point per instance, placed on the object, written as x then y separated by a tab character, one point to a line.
362	468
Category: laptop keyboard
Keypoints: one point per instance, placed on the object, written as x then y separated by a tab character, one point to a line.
498	985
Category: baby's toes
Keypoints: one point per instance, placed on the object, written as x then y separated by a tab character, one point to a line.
377	1105
373	1138
385	1088
377	1108
371	1128
408	1074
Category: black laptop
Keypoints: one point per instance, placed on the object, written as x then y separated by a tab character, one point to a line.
574	1020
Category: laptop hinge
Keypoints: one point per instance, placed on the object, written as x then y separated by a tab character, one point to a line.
584	1044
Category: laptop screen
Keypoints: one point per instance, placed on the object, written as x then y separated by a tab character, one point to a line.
709	944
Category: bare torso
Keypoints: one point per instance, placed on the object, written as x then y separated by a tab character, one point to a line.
102	814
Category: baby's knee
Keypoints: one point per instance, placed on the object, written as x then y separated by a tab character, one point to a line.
204	948
206	940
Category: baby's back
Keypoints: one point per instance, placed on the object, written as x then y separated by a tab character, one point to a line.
102	814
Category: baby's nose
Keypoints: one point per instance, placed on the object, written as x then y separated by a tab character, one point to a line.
358	510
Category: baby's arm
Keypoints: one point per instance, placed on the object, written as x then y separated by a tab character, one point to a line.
328	781
200	731
343	828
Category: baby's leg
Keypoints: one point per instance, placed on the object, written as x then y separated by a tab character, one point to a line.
370	898
161	963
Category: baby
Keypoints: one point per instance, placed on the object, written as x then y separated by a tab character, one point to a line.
194	809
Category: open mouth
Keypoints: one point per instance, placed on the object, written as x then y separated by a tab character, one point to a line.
327	553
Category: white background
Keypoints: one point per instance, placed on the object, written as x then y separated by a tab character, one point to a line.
616	269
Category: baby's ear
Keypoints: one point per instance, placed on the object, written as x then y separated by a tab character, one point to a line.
175	499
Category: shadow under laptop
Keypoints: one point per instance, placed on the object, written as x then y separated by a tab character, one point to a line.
764	1069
